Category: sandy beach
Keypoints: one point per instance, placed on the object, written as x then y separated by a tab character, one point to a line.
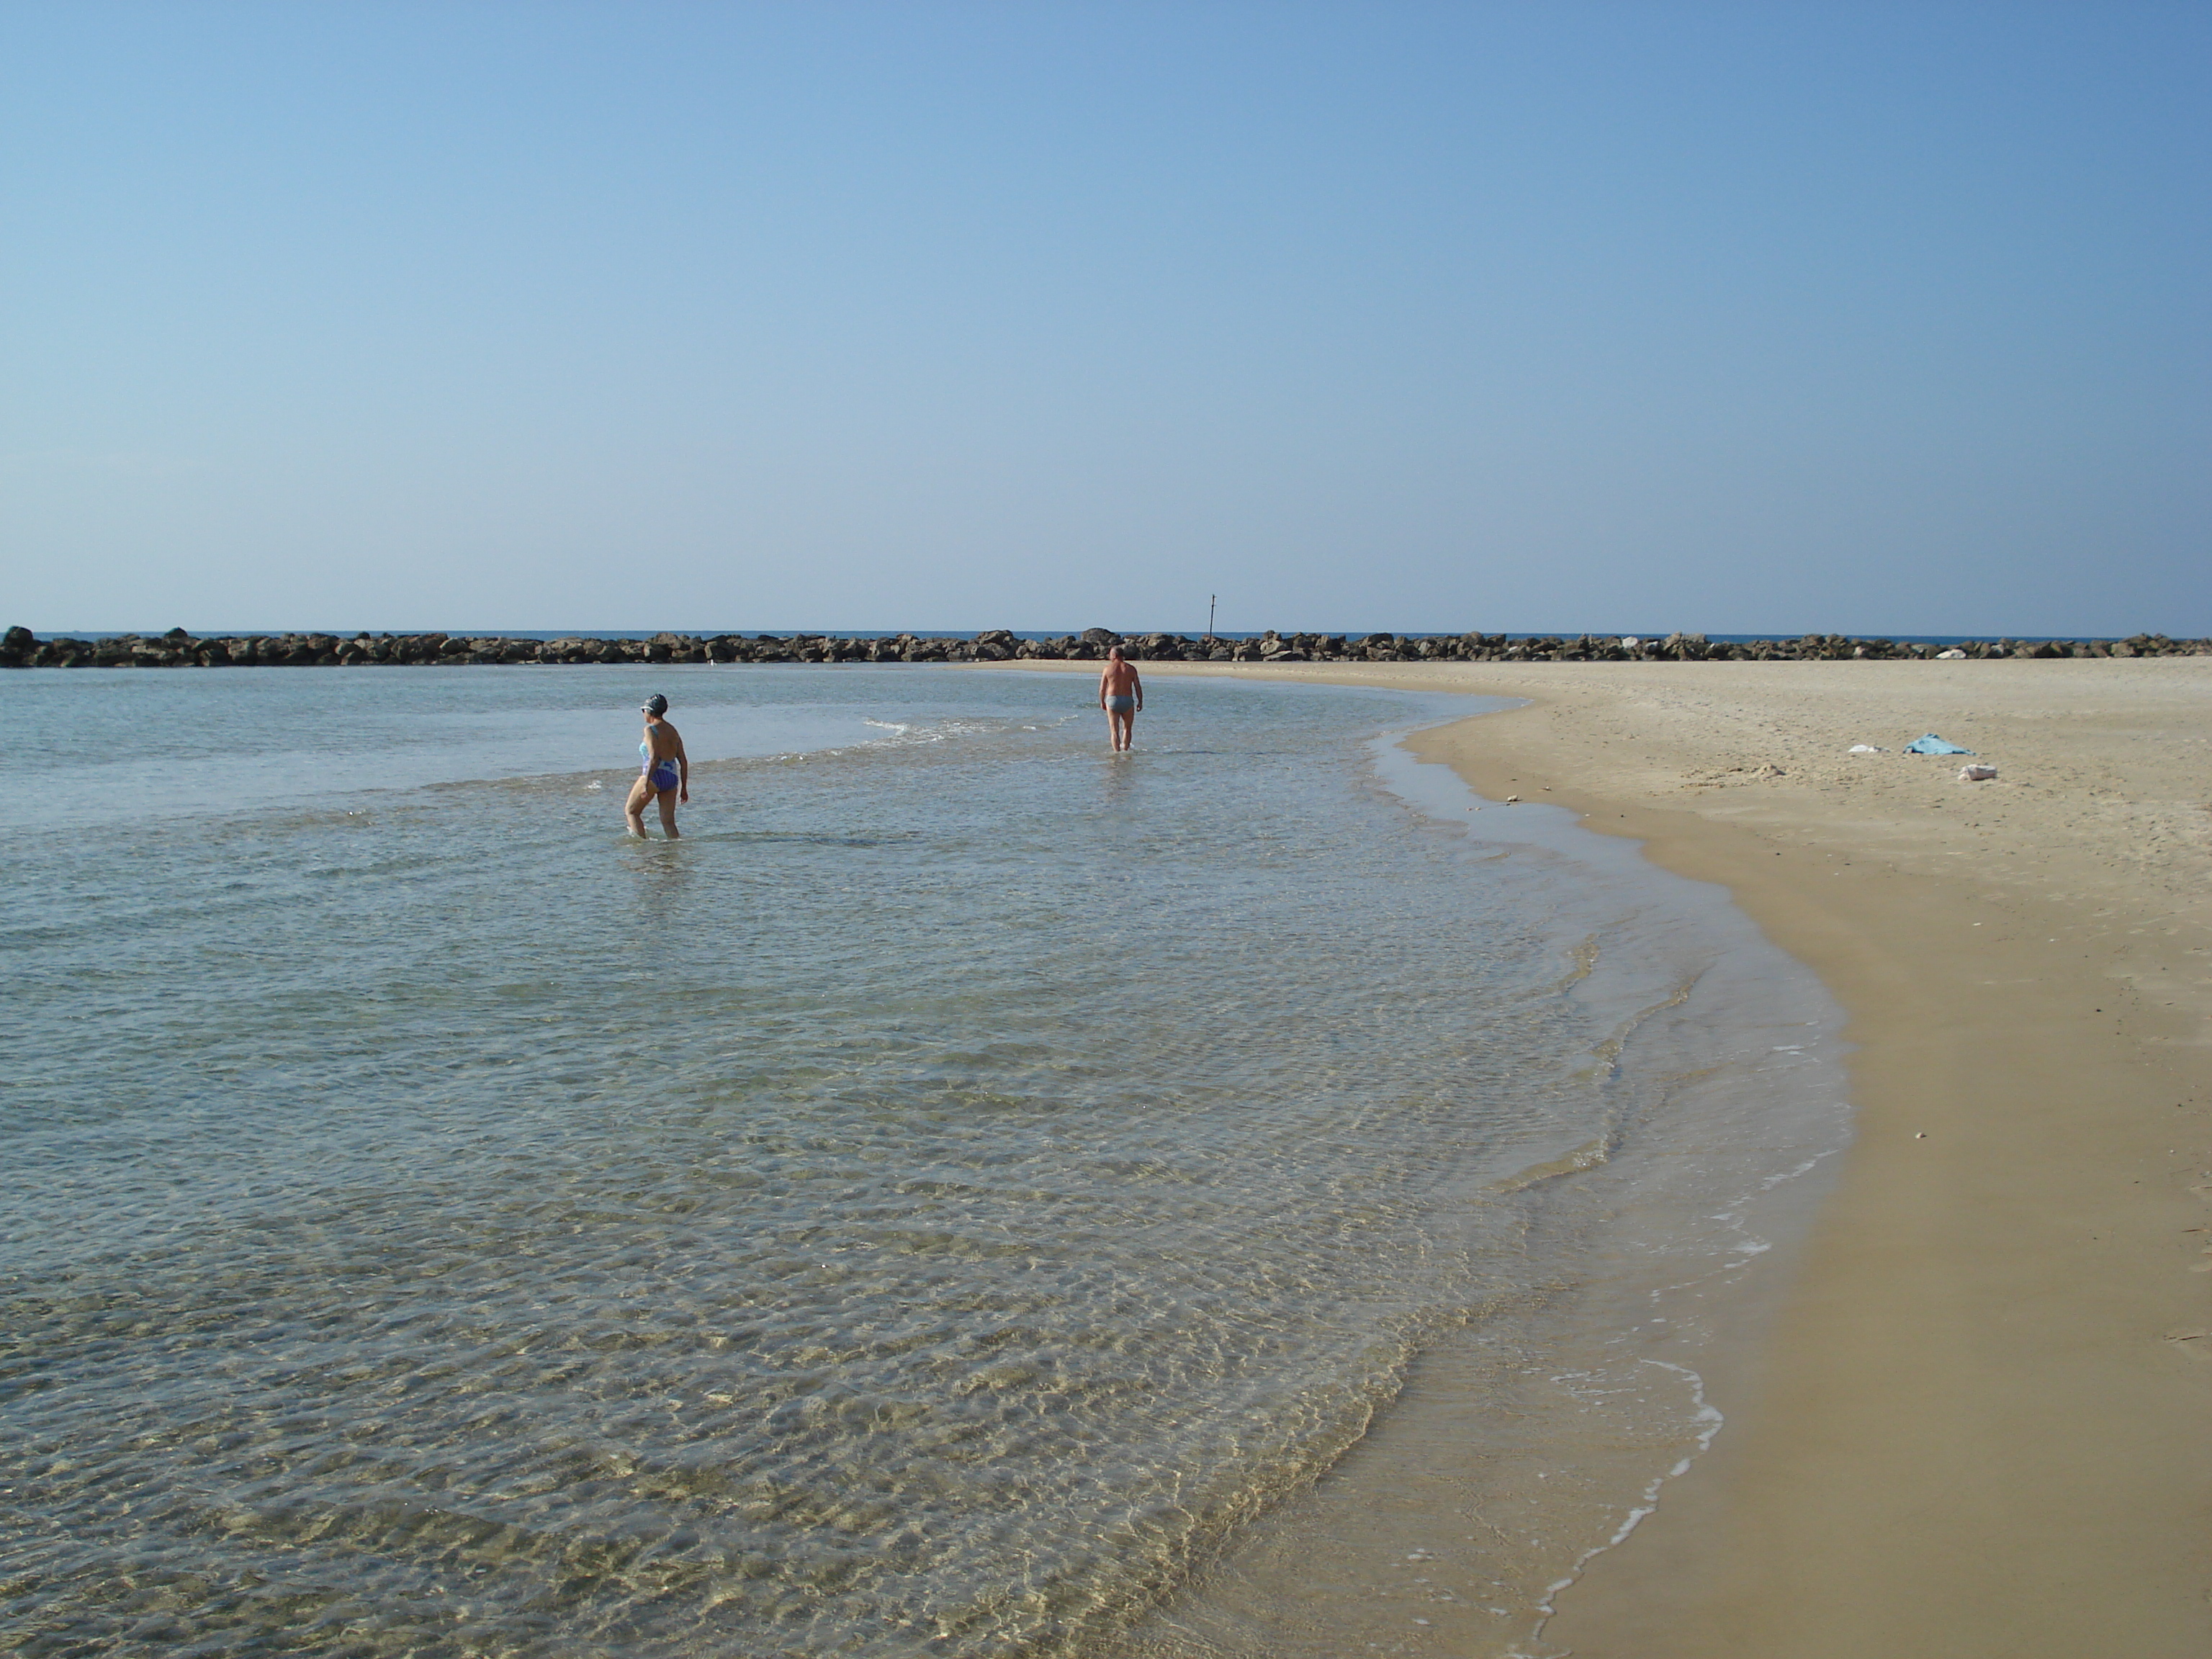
1978	1424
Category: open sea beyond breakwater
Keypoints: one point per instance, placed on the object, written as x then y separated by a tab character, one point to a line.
958	1200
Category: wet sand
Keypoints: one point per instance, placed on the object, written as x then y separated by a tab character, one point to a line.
1980	1422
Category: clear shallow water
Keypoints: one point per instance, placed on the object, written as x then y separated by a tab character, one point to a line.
952	1192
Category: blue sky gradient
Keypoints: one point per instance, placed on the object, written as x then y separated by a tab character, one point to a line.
1747	319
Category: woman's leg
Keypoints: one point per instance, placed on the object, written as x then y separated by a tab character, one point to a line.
634	808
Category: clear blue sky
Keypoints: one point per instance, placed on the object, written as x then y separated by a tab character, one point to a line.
1759	318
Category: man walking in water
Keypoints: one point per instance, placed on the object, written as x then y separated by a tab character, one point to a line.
1121	695
666	774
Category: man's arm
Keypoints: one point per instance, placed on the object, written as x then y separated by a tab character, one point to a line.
1137	688
1103	673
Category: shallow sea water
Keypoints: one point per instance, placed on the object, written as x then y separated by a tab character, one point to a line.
956	1201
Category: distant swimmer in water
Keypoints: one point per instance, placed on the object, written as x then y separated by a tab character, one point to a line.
1121	695
665	775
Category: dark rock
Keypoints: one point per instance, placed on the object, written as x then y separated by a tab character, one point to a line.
177	649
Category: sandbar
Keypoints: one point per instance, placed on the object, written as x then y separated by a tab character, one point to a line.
1980	1422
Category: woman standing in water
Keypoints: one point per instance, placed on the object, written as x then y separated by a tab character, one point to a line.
666	774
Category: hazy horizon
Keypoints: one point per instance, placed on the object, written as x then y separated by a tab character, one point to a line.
1884	319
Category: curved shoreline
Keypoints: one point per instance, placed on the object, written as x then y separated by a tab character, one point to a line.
1978	1424
1528	1441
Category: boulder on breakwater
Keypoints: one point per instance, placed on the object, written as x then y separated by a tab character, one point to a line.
20	648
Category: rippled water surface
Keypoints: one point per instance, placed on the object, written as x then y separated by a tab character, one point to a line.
924	1210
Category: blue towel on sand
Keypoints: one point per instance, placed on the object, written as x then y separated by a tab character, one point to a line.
1932	744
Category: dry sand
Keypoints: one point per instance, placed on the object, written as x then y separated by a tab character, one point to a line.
1981	1423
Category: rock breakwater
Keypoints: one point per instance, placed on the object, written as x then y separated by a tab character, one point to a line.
20	648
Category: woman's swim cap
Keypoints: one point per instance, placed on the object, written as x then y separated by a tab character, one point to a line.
656	704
